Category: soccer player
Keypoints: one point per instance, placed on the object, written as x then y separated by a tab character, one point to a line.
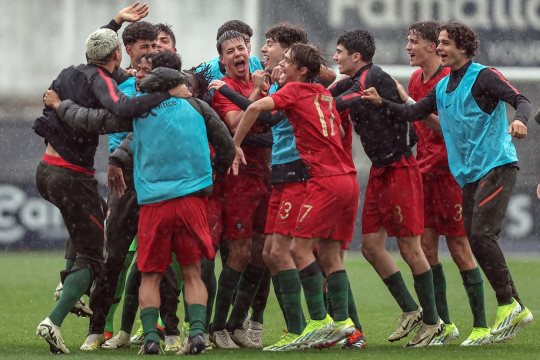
388	210
139	38
326	216
65	174
244	199
481	155
443	209
166	41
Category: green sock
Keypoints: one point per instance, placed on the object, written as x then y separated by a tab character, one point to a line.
247	289
353	313
209	278
338	292
328	303
228	281
261	298
131	300
473	283
423	284
149	318
75	285
109	321
279	295
197	319
291	290
312	279
439	288
399	291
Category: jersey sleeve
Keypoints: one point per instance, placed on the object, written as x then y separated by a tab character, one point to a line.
286	97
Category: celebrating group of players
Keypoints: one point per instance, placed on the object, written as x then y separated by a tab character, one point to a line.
285	210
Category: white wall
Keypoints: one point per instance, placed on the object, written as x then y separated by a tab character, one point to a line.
39	38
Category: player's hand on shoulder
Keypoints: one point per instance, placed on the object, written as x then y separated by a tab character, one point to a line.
180	91
517	129
371	95
51	99
216	85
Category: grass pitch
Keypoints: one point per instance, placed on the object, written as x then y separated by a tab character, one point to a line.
28	279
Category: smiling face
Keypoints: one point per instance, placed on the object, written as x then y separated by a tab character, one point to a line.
347	64
235	57
450	54
419	49
290	72
273	53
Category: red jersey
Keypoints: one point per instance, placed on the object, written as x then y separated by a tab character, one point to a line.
257	158
431	150
347	125
311	110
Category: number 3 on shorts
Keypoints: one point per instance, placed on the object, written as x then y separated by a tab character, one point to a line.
304	212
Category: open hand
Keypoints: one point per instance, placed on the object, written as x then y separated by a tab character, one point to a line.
115	180
132	13
238	159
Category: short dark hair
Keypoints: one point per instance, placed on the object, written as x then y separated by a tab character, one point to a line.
360	41
236	25
464	37
286	34
308	56
427	30
164	59
226	36
167	29
141	30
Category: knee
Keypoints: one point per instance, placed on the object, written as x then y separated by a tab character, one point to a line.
267	256
368	251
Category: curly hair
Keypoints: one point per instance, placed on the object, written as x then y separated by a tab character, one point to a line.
360	41
141	30
286	34
202	76
164	59
464	37
308	56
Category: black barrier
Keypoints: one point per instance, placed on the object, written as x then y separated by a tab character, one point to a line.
29	222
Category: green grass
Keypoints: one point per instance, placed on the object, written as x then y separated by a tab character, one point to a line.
27	282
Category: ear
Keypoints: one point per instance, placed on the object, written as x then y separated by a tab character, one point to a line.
303	71
357	57
129	50
432	47
221	59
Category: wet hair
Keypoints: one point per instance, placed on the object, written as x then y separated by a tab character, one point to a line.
286	34
202	74
166	28
427	30
164	59
360	41
226	36
141	30
464	37
235	25
308	56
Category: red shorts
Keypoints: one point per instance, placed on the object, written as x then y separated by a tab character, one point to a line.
329	208
283	208
178	225
443	209
245	201
394	201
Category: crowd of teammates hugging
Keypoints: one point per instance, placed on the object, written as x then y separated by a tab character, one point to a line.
253	158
